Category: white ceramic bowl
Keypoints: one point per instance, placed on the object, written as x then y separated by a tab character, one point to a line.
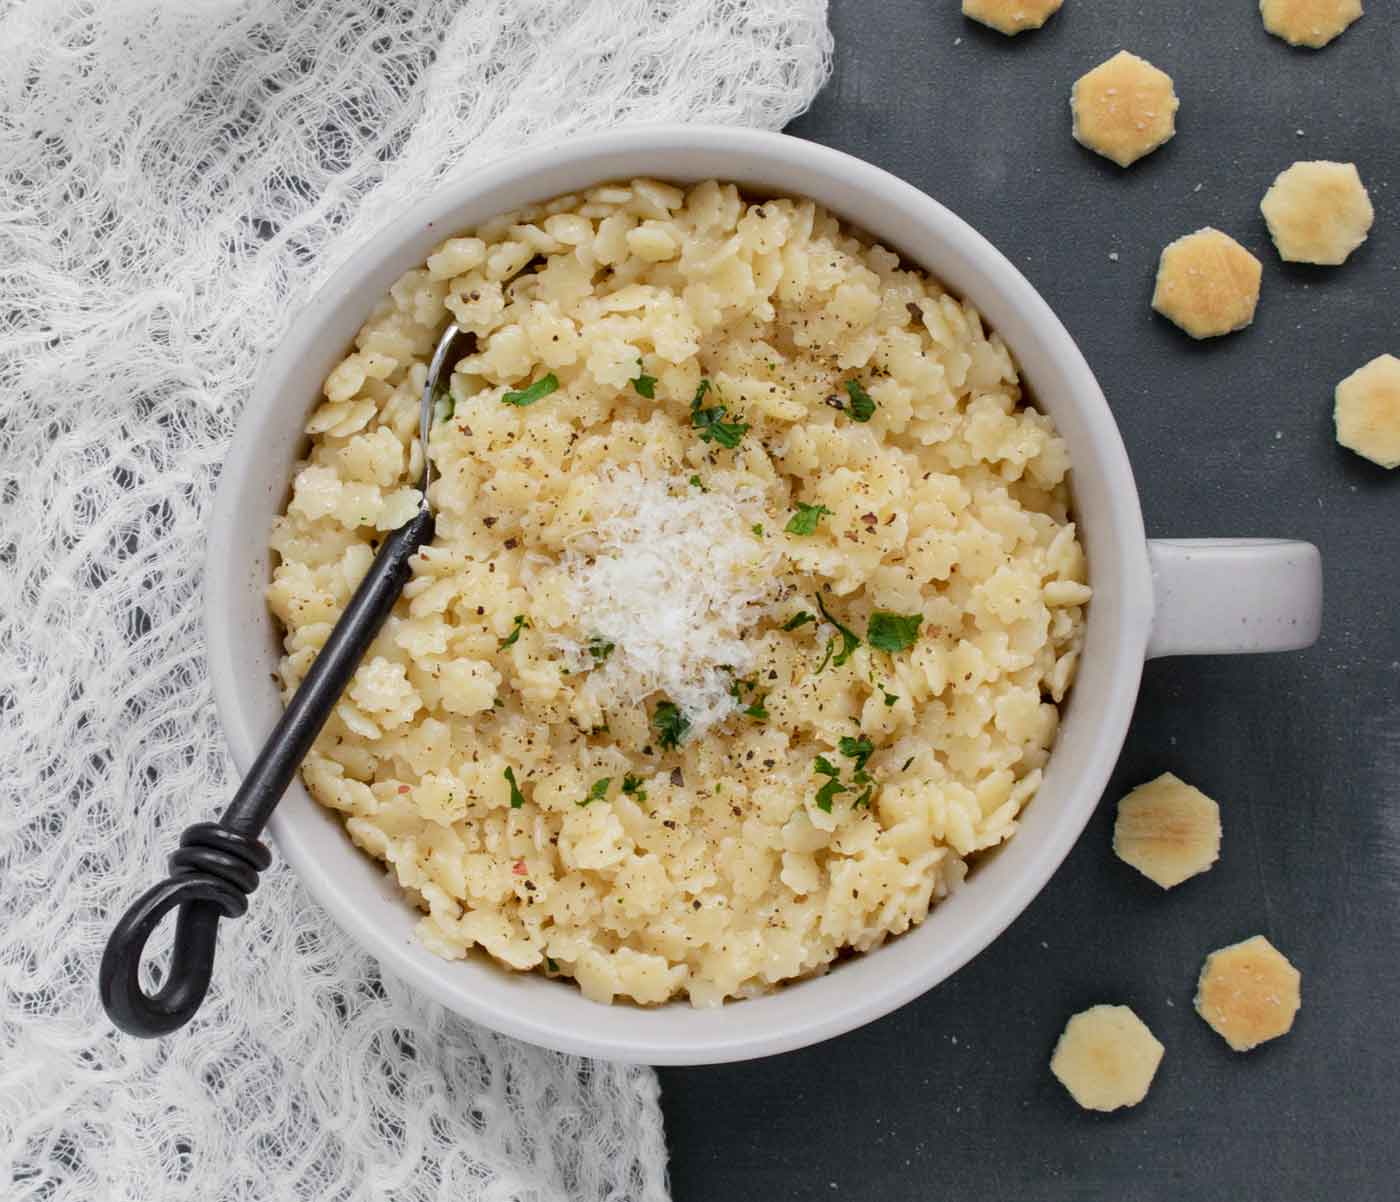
1207	596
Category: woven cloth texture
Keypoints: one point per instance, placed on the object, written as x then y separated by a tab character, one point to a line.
176	176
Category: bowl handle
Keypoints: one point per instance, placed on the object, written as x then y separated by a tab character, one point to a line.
1225	596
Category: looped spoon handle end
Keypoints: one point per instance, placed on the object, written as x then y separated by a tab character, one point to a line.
217	864
212	875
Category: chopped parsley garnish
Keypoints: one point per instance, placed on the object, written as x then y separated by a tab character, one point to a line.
860	750
517	798
826	659
521	621
755	708
758	529
644	384
849	641
805	520
890	698
696	483
833	786
632	786
599	648
537	391
710	422
798	619
670	724
829	791
598	791
551	964
893	632
862	407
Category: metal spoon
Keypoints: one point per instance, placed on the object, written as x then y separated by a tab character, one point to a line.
217	864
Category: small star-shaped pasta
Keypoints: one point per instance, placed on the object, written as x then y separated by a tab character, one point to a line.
1124	108
1207	283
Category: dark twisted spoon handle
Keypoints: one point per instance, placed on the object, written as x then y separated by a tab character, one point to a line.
217	864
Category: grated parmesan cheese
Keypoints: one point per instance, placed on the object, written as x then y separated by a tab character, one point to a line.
672	577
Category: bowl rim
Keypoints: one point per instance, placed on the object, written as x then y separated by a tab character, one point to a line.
1119	620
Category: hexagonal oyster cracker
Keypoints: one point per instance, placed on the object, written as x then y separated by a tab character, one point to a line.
1167	830
1207	283
1311	23
1318	212
1011	16
1249	993
1106	1057
1368	411
1124	108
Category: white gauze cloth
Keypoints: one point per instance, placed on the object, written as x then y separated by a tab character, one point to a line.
175	175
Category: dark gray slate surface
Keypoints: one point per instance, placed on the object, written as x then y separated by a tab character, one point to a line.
950	1098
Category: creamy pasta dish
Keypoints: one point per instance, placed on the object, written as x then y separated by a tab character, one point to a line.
753	596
